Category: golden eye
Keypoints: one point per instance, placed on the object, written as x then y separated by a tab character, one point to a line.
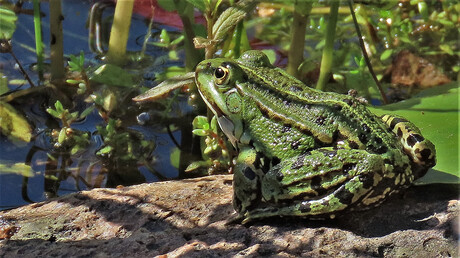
221	74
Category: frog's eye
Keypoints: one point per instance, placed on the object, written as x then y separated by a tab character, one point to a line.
221	74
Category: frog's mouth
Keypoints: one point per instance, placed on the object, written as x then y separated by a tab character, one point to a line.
206	95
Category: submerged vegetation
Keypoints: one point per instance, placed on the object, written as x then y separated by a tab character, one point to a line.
81	128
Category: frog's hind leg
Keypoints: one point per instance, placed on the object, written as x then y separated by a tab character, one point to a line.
321	183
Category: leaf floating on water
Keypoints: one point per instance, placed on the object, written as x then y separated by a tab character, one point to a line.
7	23
13	124
164	88
112	75
17	168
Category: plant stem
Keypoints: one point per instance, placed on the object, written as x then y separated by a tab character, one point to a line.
366	57
148	35
38	38
295	57
56	44
326	60
120	31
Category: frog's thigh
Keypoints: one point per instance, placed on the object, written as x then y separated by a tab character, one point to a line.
338	178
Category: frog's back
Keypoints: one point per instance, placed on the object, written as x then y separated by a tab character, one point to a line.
332	119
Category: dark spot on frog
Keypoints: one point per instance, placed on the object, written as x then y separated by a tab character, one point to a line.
295	88
367	180
353	145
344	195
300	161
378	140
363	138
413	138
337	107
266	166
257	161
248	173
399	132
286	128
425	153
304	207
275	161
295	145
316	185
287	103
329	153
349	102
320	120
346	168
396	121
279	175
366	128
380	149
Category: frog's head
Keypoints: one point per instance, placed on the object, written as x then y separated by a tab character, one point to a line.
216	80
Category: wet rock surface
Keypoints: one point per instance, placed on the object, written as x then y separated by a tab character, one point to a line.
187	218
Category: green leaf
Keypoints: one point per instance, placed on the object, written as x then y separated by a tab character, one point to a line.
199	122
86	112
82	59
70	81
214	124
164	88
167	5
164	37
436	112
105	150
198	164
58	106
423	10
7	23
175	157
13	124
16	168
62	135
198	4
178	40
3	84
386	54
200	132
53	112
112	75
226	21
271	54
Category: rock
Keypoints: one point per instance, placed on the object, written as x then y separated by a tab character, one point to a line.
409	69
187	218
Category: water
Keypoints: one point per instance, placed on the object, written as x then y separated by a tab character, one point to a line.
85	170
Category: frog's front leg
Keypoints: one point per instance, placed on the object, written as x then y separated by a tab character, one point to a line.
321	183
246	180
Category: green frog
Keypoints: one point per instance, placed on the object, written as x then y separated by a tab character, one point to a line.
304	152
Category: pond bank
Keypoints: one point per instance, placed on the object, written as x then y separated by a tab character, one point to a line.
187	217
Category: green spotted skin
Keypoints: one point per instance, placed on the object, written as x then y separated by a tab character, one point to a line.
303	152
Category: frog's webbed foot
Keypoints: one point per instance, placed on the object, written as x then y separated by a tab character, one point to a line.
234	219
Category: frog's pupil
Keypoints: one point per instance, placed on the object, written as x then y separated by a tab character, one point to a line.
219	73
